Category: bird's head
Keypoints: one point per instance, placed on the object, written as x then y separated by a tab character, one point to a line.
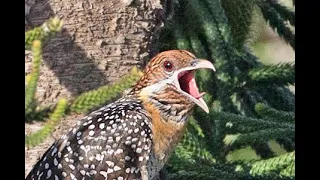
169	82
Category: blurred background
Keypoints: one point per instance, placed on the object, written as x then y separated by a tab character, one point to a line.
267	45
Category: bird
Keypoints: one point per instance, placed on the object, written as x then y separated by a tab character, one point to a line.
132	137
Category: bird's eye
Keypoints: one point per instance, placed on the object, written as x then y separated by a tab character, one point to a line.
168	66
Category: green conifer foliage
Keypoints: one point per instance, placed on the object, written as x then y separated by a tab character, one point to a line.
96	98
250	103
289	171
34	76
266	111
284	11
36	37
280	74
38	137
48	30
272	164
239	15
277	16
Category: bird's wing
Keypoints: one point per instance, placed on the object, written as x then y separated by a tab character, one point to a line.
113	142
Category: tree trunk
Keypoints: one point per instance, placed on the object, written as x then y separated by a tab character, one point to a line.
100	42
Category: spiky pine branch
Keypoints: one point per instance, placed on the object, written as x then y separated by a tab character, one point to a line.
96	98
180	32
221	172
35	37
280	74
260	136
248	99
239	14
166	39
275	164
34	76
233	123
274	115
247	61
219	42
49	29
208	173
250	131
289	171
40	135
277	22
280	116
39	113
278	97
266	84
201	21
191	149
286	13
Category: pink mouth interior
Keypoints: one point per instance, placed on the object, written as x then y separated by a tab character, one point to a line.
188	84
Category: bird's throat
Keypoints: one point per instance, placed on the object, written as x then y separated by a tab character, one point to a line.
166	134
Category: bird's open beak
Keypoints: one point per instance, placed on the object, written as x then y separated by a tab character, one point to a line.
186	82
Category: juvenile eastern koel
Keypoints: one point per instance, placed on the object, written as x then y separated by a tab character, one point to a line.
132	137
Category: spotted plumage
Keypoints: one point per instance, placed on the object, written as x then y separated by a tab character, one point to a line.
132	137
112	142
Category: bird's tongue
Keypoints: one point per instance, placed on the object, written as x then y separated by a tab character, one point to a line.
188	84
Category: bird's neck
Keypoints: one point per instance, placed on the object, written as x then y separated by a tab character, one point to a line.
171	104
164	96
166	133
169	111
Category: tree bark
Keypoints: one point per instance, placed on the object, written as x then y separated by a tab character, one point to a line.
99	43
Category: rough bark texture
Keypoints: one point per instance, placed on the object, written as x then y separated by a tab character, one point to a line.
100	42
